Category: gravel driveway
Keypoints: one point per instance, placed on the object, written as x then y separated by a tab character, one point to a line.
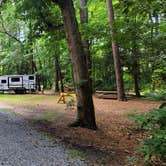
22	146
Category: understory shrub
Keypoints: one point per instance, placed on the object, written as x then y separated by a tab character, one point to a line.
153	148
155	96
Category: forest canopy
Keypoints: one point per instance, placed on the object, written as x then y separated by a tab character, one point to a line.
32	38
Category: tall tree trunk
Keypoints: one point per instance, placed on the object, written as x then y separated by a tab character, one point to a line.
33	68
85	107
33	65
56	74
39	76
135	59
38	81
59	73
116	56
152	51
135	68
84	22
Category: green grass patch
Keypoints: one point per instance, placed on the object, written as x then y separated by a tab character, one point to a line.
5	110
34	106
76	154
132	160
25	98
50	137
50	116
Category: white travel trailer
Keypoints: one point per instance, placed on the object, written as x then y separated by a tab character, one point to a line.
18	83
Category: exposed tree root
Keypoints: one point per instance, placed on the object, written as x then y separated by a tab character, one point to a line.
82	124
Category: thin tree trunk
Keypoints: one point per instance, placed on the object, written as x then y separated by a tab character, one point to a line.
156	24
85	107
32	63
60	75
152	51
135	60
136	85
135	69
116	56
38	81
39	77
56	75
84	22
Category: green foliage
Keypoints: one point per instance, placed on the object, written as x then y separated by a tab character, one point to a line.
132	160
159	78
76	154
155	96
128	81
154	146
33	34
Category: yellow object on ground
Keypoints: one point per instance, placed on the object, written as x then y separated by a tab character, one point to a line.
62	96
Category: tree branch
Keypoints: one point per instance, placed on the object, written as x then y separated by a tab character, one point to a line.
11	36
59	2
50	24
4	31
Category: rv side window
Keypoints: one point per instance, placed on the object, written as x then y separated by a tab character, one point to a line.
31	77
15	79
3	81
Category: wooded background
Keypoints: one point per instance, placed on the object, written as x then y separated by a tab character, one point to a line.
32	40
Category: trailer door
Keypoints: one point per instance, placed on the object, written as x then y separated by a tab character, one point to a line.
15	82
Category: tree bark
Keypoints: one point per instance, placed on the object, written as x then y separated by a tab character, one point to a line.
33	68
135	69
58	74
85	107
135	59
86	45
116	56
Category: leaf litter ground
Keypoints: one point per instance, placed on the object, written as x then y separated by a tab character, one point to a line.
112	144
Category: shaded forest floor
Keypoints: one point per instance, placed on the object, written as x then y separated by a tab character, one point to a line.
112	144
